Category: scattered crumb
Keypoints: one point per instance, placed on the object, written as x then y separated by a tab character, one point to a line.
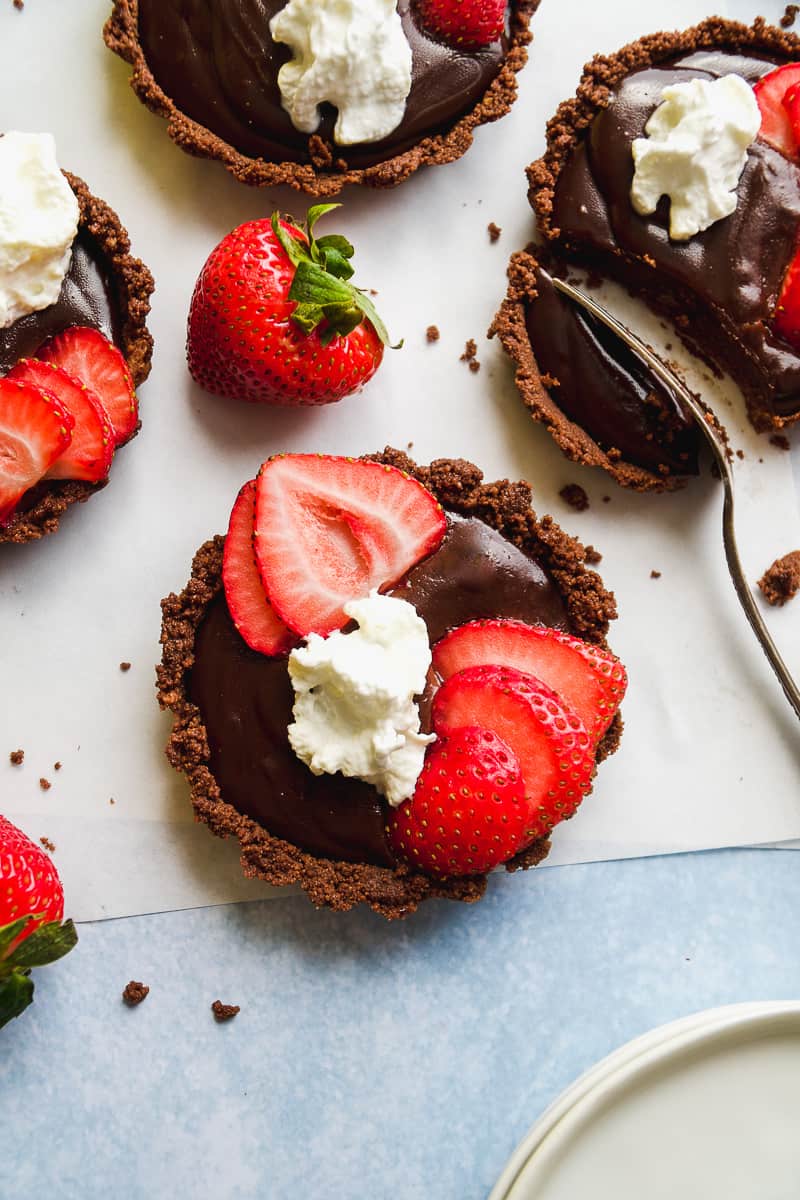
45	784
787	20
781	581
111	800
48	845
494	231
20	4
135	993
761	460
740	453
57	766
474	366
470	356
655	574
224	1012
780	441
432	333
593	556
574	495
606	499
124	666
409	445
17	757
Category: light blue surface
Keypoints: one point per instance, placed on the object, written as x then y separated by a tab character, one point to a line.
369	1060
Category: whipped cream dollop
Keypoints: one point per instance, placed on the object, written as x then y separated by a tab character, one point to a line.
354	709
38	223
695	151
352	54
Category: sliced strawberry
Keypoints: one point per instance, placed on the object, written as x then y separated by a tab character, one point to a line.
329	530
248	605
771	92
791	102
34	431
591	680
91	450
468	812
548	738
91	358
786	318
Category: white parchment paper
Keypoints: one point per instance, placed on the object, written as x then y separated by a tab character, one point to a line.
711	754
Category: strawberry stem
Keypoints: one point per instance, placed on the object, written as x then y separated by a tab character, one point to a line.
46	944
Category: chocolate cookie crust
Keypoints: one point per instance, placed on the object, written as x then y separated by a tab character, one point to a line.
397	892
328	172
132	285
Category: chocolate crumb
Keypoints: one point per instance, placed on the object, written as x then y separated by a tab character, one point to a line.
494	231
655	574
48	845
781	581
740	453
124	666
593	557
470	351
606	499
574	495
432	333
20	4
474	366
111	800
791	11
135	993
16	758
224	1012
57	766
45	784
780	441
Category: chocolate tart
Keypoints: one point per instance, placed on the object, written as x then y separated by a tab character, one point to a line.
719	289
210	68
105	288
232	706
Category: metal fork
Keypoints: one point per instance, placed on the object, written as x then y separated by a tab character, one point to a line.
718	449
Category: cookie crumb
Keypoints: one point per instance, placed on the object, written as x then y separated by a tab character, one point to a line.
474	366
16	758
655	574
111	800
20	4
494	231
574	495
56	766
432	333
224	1012
781	581
48	845
593	556
740	453
470	350
124	666
780	441
45	784
606	499
135	992
787	20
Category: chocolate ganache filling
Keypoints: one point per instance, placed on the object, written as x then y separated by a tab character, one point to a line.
218	63
245	699
732	272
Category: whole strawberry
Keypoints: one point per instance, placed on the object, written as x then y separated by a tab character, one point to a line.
275	320
468	813
31	908
467	24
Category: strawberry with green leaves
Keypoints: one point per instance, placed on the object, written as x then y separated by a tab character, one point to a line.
274	318
32	932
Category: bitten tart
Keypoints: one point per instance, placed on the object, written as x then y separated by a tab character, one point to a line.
211	68
493	589
96	329
728	286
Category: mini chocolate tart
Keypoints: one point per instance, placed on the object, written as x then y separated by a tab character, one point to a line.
106	288
232	706
719	289
210	67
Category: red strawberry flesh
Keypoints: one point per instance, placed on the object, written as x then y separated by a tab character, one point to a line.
589	679
34	431
91	358
776	124
248	605
549	739
29	883
91	450
786	319
466	24
328	530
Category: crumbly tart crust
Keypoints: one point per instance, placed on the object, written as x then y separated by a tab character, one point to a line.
696	327
392	892
133	284
328	172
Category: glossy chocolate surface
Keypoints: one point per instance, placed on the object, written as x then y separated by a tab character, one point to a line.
217	62
86	299
737	266
245	699
605	388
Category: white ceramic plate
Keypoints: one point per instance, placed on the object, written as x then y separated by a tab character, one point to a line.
704	1107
